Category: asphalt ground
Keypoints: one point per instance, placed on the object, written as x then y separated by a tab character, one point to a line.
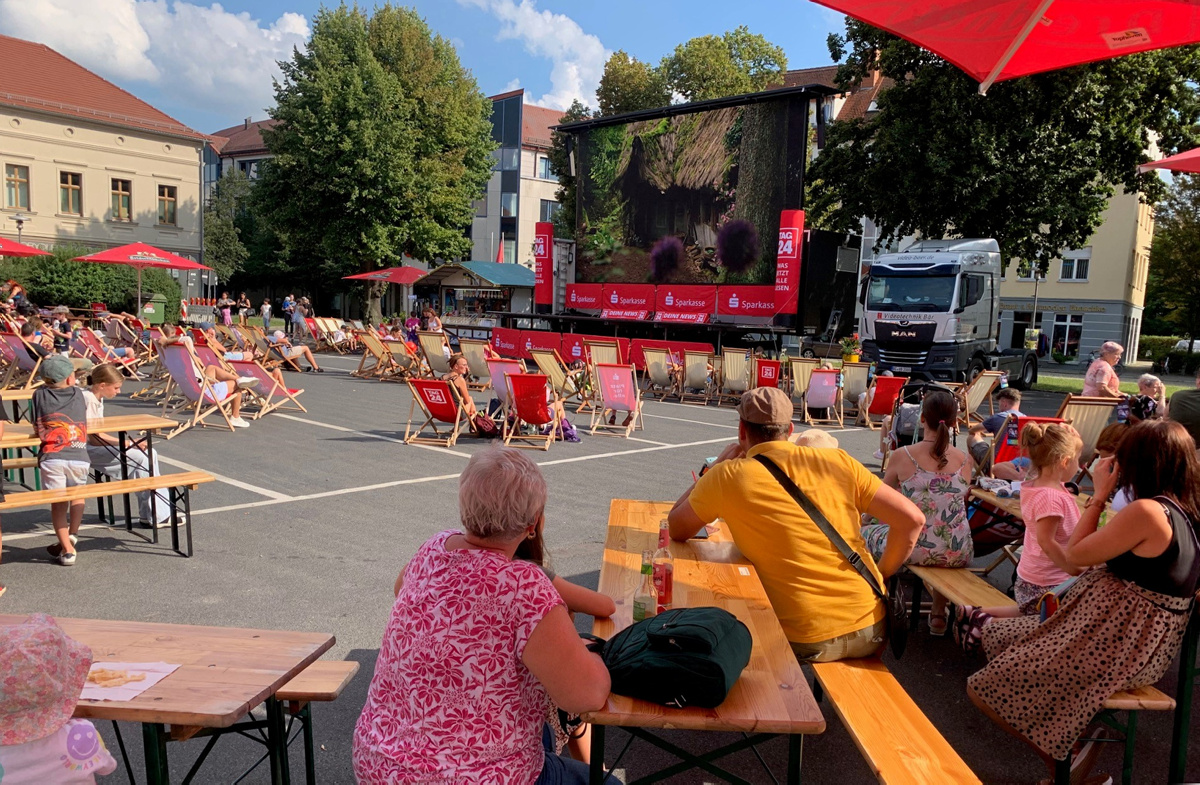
314	515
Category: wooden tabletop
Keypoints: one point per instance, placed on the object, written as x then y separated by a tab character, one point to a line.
225	671
16	395
20	434
772	695
1012	506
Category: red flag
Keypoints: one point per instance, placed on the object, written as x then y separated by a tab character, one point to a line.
500	253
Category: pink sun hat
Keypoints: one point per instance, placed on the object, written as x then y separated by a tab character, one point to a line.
44	674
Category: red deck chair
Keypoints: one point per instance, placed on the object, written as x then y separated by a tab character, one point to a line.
528	399
97	351
766	372
270	394
618	393
438	404
883	401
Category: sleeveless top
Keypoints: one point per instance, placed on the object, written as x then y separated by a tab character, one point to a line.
1175	571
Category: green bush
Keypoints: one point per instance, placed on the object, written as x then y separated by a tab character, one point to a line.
1059	357
1153	347
1178	362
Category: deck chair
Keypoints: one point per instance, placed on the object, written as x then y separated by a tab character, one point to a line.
657	375
801	372
498	370
602	350
618	392
327	334
883	394
439	404
270	351
472	349
311	323
435	356
23	364
695	377
735	376
974	395
1089	416
823	393
528	406
766	372
357	324
566	385
404	361
270	395
94	349
126	335
855	378
382	364
197	395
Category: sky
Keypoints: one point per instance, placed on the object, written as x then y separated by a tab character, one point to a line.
211	65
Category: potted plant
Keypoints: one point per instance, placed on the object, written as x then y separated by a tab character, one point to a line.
851	348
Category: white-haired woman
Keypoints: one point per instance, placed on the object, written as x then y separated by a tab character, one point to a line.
1101	380
477	645
1151	401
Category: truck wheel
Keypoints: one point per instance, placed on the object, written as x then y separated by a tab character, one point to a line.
1026	380
974	368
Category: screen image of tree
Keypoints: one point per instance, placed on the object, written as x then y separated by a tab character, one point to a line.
686	175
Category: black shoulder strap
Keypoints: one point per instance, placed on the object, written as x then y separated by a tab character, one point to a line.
822	523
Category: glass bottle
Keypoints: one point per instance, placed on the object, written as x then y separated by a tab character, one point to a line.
645	599
664	568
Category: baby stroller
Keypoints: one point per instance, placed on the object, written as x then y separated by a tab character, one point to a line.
904	424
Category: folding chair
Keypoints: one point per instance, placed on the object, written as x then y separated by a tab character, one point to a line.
472	349
883	393
618	392
23	363
498	370
974	394
311	323
565	384
602	350
657	374
270	395
432	347
823	393
197	392
1089	416
357	324
438	404
328	329
855	378
93	348
270	351
735	376
695	377
528	406
766	372
801	373
373	349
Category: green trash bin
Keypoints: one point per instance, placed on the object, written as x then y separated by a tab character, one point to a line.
154	309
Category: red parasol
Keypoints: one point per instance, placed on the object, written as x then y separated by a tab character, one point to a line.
141	256
401	275
1004	39
1183	162
13	248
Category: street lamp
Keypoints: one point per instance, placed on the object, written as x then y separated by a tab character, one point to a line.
21	219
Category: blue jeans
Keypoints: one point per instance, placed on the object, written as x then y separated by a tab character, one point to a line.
559	769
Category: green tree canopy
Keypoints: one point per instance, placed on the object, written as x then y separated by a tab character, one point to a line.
224	250
1175	257
712	66
628	84
1032	164
383	143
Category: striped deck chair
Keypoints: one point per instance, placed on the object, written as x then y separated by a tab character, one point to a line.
884	392
472	349
823	393
199	396
566	385
270	394
498	370
695	377
617	392
657	375
801	369
438	404
527	397
23	364
432	347
735	376
855	380
973	396
1089	416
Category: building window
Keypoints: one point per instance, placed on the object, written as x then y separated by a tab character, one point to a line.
122	192
1022	321
545	171
510	159
481	207
1075	265
166	204
549	210
70	193
16	186
1025	271
1067	330
508	205
249	168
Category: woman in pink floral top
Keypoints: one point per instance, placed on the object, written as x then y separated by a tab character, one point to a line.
1101	380
476	647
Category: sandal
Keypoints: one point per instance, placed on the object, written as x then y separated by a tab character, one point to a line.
938	625
968	628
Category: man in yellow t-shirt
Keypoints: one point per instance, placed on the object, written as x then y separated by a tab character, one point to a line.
826	609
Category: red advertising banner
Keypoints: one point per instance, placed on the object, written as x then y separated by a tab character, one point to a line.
585	296
787	263
680	318
686	299
572	346
746	300
766	373
628	297
507	342
621	313
540	339
543	256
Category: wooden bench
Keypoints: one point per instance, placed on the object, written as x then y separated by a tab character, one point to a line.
181	483
897	740
323	680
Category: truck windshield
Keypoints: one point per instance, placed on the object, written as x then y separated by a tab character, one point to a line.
924	293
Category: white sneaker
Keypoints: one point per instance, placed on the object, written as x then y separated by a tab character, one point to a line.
878	455
238	422
247	381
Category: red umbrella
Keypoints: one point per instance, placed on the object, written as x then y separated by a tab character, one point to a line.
401	275
141	256
13	248
1003	39
1183	162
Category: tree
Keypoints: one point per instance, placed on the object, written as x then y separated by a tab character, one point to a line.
224	250
383	143
1175	257
714	67
564	220
628	84
1032	164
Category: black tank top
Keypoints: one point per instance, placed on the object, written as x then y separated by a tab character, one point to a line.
1175	571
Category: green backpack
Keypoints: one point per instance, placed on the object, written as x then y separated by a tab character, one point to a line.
681	657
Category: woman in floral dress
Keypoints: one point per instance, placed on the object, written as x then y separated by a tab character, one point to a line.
937	478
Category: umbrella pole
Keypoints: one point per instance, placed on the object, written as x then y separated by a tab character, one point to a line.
139	310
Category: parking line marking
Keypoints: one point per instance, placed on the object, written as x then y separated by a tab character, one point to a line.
245	486
631	452
344	429
693	422
326	494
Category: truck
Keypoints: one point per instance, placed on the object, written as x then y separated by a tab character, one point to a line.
932	312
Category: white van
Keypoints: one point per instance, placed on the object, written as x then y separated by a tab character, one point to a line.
1182	346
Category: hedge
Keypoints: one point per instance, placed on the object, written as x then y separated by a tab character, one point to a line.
1153	347
1179	362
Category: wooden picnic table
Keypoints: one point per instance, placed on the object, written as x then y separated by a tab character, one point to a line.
772	696
17	397
1011	506
224	672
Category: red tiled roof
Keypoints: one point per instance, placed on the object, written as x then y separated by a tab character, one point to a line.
537	123
860	100
36	77
242	139
823	75
509	94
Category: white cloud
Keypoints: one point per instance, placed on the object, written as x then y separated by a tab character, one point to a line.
205	56
577	57
513	84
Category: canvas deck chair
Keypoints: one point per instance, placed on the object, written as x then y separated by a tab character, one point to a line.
975	394
657	375
23	367
695	377
823	393
273	353
886	389
498	370
125	335
801	369
198	396
601	350
1089	416
439	404
357	324
270	395
376	362
528	405
91	347
404	361
735	376
310	323
855	379
472	349
565	384
435	356
618	393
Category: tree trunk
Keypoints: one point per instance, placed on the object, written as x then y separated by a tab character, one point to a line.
372	310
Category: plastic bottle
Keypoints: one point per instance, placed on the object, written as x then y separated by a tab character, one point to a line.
645	599
664	568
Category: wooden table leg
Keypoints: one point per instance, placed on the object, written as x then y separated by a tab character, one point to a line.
154	747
